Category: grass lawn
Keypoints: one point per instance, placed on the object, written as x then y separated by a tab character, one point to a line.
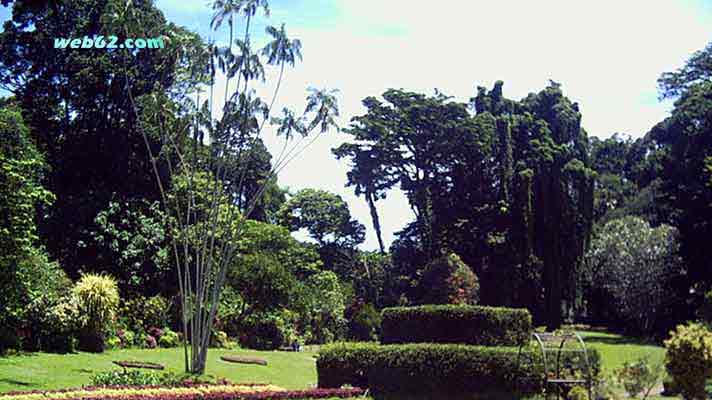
617	349
55	371
285	369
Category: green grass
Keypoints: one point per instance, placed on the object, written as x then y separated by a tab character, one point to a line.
285	369
617	349
55	371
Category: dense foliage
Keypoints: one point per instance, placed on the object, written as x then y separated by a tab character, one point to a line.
514	205
629	269
98	300
425	367
447	280
689	359
477	325
509	189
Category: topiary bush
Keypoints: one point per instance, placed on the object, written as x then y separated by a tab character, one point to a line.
476	325
689	359
97	298
431	367
448	280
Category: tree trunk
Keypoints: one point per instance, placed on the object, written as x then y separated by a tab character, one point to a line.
375	220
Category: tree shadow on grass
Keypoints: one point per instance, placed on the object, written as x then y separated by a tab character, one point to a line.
16	383
616	340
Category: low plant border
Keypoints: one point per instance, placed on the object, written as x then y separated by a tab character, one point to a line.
134	393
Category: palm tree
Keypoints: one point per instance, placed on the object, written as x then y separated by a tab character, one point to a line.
281	51
325	104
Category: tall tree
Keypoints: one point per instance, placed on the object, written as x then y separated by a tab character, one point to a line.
207	219
75	105
509	188
684	143
324	215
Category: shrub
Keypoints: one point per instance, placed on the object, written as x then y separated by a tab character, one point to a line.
639	376
220	340
143	313
169	339
689	359
127	338
155	332
98	299
113	342
425	367
670	387
263	335
577	393
148	341
448	280
126	378
53	323
41	290
476	325
364	322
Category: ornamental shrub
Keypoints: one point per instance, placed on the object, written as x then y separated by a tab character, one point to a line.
220	340
448	280
126	378
428	367
169	338
143	313
577	393
113	342
639	376
128	338
148	341
476	325
97	297
689	359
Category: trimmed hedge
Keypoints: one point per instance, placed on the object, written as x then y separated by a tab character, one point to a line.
475	325
427	367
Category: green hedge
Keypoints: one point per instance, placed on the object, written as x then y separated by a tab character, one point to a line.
427	367
475	325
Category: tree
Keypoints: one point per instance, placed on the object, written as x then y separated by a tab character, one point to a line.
21	190
324	215
684	143
75	105
509	189
267	268
448	280
132	245
24	268
206	221
630	264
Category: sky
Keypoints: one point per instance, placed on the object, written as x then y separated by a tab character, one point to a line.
606	54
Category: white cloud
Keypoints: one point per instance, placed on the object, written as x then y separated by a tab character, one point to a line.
607	54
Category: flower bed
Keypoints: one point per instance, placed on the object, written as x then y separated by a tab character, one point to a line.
185	392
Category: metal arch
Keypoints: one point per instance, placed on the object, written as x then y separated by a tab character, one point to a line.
588	365
564	338
543	353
